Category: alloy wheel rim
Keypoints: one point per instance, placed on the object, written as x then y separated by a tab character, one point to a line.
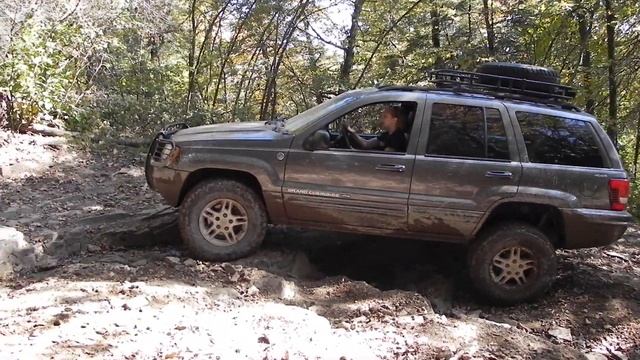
513	266
223	222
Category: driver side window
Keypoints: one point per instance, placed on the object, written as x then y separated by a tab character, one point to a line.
366	122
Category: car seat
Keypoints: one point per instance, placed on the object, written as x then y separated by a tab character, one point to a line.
410	112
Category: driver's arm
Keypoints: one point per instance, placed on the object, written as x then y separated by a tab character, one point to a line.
361	143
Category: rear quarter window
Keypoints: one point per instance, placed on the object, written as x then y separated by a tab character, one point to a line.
560	141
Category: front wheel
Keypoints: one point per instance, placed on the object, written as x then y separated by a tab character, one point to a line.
222	220
512	263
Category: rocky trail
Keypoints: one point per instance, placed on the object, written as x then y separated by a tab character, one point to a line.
92	267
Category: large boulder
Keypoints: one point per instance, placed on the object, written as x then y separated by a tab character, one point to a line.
15	253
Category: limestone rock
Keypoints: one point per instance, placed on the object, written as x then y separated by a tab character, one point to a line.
276	286
190	262
302	268
595	356
173	259
15	253
561	333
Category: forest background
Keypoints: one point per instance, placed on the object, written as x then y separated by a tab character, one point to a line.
129	66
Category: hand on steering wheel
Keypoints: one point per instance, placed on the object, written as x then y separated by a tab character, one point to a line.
346	131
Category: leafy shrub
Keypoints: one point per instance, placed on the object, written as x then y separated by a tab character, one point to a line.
24	114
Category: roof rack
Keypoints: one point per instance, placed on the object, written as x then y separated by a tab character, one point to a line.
500	83
496	86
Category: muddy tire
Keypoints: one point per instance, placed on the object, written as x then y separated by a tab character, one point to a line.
222	220
512	263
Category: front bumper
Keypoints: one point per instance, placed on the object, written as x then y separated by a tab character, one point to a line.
586	228
160	177
166	181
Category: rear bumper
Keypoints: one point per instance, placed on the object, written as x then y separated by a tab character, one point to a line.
586	228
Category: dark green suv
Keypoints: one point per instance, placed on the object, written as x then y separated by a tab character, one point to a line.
496	159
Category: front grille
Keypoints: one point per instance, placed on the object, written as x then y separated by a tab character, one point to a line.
161	150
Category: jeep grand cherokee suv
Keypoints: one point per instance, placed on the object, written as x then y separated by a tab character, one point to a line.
496	159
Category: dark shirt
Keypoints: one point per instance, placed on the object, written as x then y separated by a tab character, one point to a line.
394	142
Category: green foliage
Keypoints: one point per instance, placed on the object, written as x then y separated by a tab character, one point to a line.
23	114
135	65
38	71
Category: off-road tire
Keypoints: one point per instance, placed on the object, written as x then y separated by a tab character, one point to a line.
208	191
520	71
496	239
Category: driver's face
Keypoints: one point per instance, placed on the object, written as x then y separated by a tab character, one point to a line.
387	121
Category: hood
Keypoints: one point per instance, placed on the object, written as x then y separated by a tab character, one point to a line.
227	131
235	126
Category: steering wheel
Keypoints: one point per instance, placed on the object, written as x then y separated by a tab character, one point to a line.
345	134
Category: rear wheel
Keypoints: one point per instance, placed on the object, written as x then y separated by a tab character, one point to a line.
512	263
222	220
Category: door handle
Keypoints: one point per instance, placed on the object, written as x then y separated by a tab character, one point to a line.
499	174
391	167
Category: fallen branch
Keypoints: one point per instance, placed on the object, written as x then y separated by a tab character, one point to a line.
616	255
124	141
132	142
44	130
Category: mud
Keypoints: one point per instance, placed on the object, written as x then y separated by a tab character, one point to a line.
122	285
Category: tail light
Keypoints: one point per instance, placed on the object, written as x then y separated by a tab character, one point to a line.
619	194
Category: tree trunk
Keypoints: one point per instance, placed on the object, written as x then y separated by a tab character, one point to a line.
382	38
612	125
195	59
470	32
192	56
269	101
435	34
636	149
349	50
251	67
585	25
435	27
487	12
232	44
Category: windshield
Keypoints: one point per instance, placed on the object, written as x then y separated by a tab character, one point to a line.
305	118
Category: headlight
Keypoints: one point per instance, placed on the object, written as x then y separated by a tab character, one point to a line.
174	155
166	151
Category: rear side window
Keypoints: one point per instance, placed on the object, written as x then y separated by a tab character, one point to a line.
467	131
557	140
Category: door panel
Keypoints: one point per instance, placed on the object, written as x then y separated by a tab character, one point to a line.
350	188
353	188
449	194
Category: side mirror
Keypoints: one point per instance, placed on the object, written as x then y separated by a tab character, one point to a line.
319	140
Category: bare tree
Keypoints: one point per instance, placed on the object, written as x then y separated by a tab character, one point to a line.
197	50
612	124
349	49
584	16
435	26
487	13
269	99
382	38
232	45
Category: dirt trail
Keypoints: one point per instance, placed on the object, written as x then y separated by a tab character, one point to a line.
113	290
